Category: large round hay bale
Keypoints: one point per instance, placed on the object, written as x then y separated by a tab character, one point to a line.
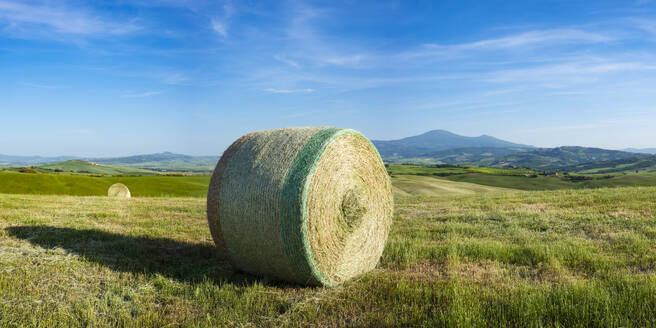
306	205
118	190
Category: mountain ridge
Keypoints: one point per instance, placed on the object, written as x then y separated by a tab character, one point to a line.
432	147
437	140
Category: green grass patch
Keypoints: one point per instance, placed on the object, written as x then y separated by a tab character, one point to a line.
84	185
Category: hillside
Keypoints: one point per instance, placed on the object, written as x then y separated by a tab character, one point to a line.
518	179
560	157
78	166
436	141
481	156
164	162
628	165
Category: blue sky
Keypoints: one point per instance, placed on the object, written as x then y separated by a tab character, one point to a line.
108	78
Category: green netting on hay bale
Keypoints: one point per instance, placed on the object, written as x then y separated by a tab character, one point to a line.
306	205
118	190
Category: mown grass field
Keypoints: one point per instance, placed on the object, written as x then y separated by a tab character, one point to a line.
407	185
554	183
551	258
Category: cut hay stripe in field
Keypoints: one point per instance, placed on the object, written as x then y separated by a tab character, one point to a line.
305	205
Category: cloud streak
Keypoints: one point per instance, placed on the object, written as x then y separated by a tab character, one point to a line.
26	18
273	90
534	39
142	95
568	73
220	27
40	86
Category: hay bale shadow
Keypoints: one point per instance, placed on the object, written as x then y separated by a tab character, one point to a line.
178	260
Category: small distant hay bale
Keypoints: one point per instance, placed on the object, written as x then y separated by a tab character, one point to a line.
306	205
118	190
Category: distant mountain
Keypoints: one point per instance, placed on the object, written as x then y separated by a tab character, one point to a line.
641	150
561	157
162	162
7	160
640	163
436	141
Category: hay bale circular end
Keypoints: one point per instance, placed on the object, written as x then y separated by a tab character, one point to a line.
118	190
306	205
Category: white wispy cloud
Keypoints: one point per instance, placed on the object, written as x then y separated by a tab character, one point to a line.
40	86
274	90
175	78
309	45
535	38
646	25
30	18
342	60
142	95
220	27
567	73
540	37
220	24
287	61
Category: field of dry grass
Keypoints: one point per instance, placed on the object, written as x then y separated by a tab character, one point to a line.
557	258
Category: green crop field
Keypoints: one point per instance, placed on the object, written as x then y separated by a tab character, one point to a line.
445	170
407	180
84	185
550	258
191	186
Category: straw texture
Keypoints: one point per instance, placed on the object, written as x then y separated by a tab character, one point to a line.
306	205
118	190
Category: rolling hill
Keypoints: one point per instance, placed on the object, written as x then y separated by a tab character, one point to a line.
557	158
164	162
641	150
626	165
474	155
436	141
78	166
